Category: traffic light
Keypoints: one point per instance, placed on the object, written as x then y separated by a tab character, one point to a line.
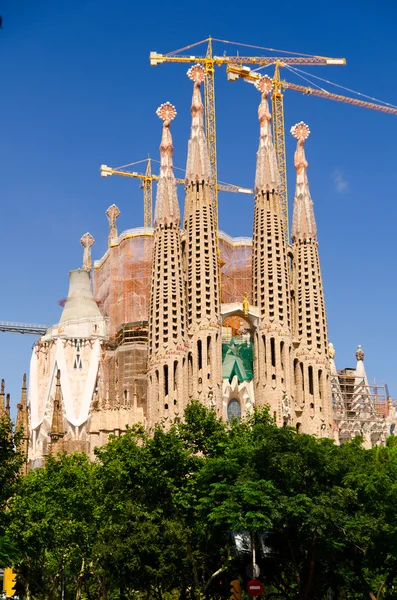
235	590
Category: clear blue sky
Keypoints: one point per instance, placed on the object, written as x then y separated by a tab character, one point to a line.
77	91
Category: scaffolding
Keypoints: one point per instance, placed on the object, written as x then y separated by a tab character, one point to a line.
122	277
361	399
236	269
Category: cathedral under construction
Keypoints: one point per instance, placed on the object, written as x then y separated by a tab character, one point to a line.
184	311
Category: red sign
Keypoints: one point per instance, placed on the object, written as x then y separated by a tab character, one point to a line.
254	587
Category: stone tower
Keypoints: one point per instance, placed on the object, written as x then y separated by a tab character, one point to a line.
57	431
167	365
313	404
201	263
270	277
74	347
3	410
22	424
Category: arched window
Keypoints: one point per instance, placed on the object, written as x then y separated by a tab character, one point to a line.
233	409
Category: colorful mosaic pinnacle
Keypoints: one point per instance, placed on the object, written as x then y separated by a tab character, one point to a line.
166	112
300	131
264	85
196	73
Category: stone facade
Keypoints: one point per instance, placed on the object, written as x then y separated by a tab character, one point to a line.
153	334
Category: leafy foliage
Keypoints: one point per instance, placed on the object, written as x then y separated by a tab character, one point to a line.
152	516
10	463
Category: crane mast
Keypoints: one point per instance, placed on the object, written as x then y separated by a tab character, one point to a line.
279	143
210	125
147	184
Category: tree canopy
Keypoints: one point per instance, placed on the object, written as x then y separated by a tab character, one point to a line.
153	516
11	461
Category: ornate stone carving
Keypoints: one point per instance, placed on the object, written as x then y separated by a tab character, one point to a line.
86	241
112	214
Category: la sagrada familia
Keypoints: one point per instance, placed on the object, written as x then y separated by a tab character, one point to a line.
183	312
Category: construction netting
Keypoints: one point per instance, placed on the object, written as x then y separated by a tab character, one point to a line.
236	269
121	279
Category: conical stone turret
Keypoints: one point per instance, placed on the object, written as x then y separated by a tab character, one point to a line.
80	303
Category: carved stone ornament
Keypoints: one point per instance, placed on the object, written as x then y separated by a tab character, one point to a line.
86	241
112	214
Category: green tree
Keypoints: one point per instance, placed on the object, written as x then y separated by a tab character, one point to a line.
145	487
53	527
153	516
11	460
329	510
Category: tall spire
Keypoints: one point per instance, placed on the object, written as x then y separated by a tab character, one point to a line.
201	262
312	362
267	176
167	209
57	430
303	223
2	394
23	424
198	164
167	385
22	415
270	275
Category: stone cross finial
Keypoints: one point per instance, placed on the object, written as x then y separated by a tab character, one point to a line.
86	241
112	214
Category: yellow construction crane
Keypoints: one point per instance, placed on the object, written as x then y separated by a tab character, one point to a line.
236	71
209	61
147	179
